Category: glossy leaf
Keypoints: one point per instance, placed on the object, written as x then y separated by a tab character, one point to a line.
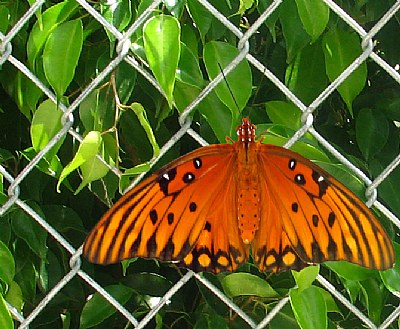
6	321
92	169
305	277
96	310
161	35
46	123
246	284
314	15
391	278
284	113
235	90
87	151
50	19
295	36
306	75
26	228
372	132
341	49
7	268
309	308
61	54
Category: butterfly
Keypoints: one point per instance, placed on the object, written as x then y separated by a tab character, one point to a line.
210	209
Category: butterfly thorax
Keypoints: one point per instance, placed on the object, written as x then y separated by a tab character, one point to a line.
248	195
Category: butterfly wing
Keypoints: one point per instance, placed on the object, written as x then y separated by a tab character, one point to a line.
164	216
321	219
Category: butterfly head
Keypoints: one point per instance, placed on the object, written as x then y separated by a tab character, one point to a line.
246	131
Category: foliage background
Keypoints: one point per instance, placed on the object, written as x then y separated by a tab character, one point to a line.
125	119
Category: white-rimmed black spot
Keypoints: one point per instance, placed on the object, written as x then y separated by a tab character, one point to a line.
165	178
292	164
299	179
197	163
188	178
321	182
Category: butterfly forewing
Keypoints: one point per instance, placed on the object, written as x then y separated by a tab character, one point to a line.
322	218
164	215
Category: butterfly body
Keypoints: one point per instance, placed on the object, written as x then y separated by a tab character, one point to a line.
207	209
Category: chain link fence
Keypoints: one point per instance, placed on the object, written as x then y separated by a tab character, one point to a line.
123	53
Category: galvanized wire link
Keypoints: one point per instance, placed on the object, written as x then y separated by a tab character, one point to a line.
125	50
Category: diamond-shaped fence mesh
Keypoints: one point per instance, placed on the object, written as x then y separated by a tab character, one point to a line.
124	53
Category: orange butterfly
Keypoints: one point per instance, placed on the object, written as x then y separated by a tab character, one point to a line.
205	209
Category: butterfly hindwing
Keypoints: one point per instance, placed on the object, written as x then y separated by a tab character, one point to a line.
165	214
322	218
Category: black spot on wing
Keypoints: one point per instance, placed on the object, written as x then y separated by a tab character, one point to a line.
192	206
331	219
299	179
170	218
321	182
153	216
197	163
164	179
292	164
315	220
188	178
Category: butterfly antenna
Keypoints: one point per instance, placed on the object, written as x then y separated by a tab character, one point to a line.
229	88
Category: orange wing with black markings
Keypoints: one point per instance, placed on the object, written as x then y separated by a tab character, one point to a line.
205	209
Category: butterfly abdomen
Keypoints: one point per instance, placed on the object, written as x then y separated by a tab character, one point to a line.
248	192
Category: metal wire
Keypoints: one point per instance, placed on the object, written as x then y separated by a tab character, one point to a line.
122	54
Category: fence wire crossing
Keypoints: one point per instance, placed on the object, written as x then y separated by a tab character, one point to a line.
123	54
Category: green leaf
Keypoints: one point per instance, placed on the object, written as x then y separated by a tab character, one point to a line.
140	112
305	277
315	16
295	36
6	321
148	283
391	277
306	75
4	21
238	83
26	228
189	69
201	16
92	169
341	49
351	271
86	151
118	13
14	296
372	132
216	113
46	123
7	268
373	296
96	310
50	19
61	53
162	46
309	308
246	284
284	113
